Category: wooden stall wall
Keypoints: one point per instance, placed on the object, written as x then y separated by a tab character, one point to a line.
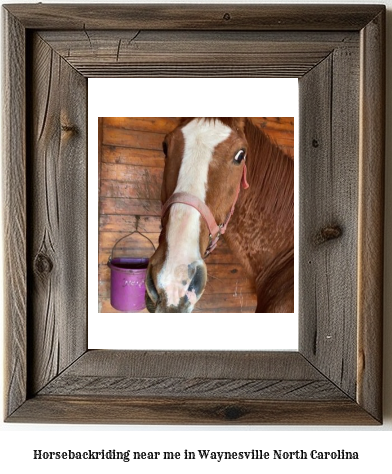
131	165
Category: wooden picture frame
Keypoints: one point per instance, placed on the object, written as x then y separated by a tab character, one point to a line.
338	54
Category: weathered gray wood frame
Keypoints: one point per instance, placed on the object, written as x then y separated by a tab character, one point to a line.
337	52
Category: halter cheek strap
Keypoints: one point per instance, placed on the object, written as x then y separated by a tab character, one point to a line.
215	230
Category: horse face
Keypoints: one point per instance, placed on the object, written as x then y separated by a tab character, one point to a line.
203	158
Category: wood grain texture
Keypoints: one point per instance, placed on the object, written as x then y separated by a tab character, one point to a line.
57	213
92	410
14	212
191	374
371	216
193	53
192	17
328	209
203	364
193	387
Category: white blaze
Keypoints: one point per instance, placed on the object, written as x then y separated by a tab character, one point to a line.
200	139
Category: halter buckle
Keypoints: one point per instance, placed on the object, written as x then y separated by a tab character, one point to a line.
219	232
212	242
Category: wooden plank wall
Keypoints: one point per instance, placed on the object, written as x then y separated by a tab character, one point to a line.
130	173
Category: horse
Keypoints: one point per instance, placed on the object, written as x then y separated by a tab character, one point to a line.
223	173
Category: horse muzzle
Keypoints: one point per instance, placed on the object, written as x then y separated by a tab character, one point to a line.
177	294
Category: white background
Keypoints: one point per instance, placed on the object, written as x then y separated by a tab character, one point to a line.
373	443
190	97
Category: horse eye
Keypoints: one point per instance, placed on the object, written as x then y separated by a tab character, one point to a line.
239	156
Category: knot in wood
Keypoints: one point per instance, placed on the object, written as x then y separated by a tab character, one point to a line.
68	128
315	143
227	16
43	264
328	233
233	412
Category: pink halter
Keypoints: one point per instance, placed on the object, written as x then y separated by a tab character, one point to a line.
215	230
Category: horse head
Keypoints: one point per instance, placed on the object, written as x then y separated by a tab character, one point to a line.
204	167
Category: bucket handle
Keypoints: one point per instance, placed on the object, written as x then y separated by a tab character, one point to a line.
125	236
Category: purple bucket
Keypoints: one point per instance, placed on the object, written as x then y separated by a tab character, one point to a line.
127	289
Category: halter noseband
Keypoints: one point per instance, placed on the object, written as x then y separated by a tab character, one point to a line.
215	230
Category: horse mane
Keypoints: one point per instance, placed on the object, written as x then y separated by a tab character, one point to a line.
271	175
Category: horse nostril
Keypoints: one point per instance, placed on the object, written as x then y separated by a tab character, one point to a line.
150	286
198	281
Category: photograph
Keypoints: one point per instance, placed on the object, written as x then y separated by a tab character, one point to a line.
196	214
